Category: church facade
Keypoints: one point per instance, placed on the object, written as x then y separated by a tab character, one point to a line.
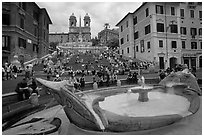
78	37
79	33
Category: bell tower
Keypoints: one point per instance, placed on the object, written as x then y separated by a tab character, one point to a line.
87	20
72	21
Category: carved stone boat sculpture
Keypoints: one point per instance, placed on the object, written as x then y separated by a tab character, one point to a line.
86	111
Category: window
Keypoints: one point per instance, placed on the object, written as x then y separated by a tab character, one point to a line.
22	22
182	13
5	42
127	24
174	28
34	47
142	46
193	45
200	14
193	31
200	31
127	37
183	43
172	11
173	45
122	52
159	9
147	12
161	43
5	19
21	42
147	29
136	35
135	20
121	28
121	41
137	48
201	45
160	27
148	45
192	13
128	50
183	30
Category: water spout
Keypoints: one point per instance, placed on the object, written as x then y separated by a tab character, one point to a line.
142	81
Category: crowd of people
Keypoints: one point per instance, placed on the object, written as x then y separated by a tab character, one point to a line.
103	68
10	71
178	67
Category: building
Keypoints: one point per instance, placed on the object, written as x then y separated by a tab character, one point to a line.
76	33
25	29
58	37
78	37
107	34
79	33
166	33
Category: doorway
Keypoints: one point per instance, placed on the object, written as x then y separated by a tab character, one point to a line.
161	62
193	62
173	62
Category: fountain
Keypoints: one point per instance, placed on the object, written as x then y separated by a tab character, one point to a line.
143	92
127	109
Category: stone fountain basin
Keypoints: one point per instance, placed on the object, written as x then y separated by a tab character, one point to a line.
84	110
122	123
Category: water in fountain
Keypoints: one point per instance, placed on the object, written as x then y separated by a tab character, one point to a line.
159	103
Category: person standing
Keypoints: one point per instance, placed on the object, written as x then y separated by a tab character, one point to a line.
82	81
27	72
15	71
8	71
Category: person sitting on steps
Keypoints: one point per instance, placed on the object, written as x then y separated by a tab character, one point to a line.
23	90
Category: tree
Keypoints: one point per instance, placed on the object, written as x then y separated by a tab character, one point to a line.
113	43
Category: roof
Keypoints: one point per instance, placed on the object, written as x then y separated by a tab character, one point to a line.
123	18
131	13
140	7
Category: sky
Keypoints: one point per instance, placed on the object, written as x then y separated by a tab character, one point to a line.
99	12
